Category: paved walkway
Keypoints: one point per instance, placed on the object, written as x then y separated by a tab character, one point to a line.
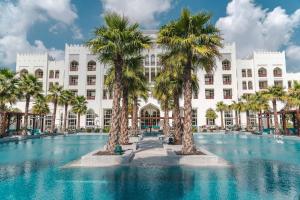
151	153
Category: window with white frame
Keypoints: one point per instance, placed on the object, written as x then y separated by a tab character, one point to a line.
107	114
228	118
250	85
152	60
91	66
72	120
48	121
74	66
91	80
90	118
226	65
194	117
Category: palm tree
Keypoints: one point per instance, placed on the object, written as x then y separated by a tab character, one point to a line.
54	94
79	108
29	86
238	108
8	88
40	107
259	104
114	42
162	90
211	114
293	100
198	41
65	99
221	107
274	94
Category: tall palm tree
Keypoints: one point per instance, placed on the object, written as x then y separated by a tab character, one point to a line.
79	108
293	99
54	94
113	43
40	107
198	41
221	107
238	108
162	90
274	94
29	86
259	104
65	99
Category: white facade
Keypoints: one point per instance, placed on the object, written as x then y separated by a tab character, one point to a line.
83	74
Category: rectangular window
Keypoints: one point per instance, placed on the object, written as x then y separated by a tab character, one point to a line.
289	84
210	122
250	85
147	74
209	79
244	85
227	93
194	117
90	94
278	83
48	121
152	74
107	113
51	74
228	118
243	73
56	74
227	79
91	80
75	92
263	85
209	93
73	80
249	72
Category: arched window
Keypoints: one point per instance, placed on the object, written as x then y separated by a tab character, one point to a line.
250	85
277	72
152	59
39	73
23	72
91	66
146	60
74	66
262	72
72	121
90	118
51	74
226	65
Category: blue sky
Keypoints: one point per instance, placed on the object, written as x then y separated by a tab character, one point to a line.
46	25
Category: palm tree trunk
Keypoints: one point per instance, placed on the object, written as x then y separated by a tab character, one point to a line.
222	120
247	118
260	120
78	121
115	126
239	113
176	115
135	115
166	119
188	142
65	118
124	139
276	124
298	120
26	113
54	116
236	118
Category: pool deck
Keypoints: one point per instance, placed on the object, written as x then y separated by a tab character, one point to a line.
150	152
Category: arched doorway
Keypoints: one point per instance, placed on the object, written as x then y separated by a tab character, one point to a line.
150	117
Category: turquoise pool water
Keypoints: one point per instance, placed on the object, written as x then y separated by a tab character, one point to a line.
262	169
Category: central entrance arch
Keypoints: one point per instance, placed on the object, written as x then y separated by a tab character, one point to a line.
150	117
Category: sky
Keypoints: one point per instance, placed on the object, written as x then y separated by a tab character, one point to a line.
47	25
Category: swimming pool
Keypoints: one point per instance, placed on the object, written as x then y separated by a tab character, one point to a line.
262	169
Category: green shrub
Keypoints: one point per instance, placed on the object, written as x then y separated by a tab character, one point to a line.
194	129
89	130
106	129
97	130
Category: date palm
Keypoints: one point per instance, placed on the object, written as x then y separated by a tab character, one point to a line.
238	107
211	114
79	107
113	43
29	86
274	94
293	100
54	94
40	107
259	104
198	41
221	107
65	99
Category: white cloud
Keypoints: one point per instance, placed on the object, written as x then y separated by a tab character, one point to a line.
17	18
253	27
77	35
144	12
293	55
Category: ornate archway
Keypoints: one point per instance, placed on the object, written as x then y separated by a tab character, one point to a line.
149	116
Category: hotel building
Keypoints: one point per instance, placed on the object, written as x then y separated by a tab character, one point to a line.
82	73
